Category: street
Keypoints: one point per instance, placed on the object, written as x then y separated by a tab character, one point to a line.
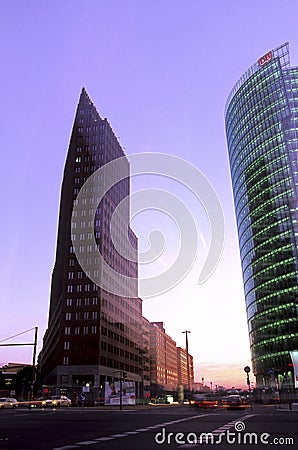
148	428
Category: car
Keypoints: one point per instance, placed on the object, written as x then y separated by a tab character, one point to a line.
201	401
56	401
234	401
6	402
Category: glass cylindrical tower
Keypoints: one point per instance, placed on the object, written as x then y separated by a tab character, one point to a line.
262	134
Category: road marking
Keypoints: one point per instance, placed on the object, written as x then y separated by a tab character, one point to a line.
109	438
128	433
85	443
118	435
217	432
66	447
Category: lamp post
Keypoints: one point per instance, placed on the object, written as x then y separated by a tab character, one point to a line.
121	380
247	370
187	361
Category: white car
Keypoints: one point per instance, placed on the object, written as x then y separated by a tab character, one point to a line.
57	400
6	402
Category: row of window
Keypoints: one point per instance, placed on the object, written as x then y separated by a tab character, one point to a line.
89	128
82	315
92	148
119	351
79	301
80	330
81	287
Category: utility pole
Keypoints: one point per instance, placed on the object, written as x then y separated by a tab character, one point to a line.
187	361
33	361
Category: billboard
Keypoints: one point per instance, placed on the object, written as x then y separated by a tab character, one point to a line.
112	393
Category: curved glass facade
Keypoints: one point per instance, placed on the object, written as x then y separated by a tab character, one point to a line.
262	134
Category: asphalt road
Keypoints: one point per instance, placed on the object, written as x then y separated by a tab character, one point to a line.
148	428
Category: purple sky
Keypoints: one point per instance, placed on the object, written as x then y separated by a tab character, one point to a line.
161	72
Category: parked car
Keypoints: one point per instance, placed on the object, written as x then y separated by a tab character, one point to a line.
205	402
6	402
56	401
234	401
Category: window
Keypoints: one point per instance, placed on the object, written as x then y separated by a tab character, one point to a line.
69	302
67	330
65	360
68	316
69	288
66	345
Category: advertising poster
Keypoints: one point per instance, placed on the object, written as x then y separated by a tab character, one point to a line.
294	356
112	393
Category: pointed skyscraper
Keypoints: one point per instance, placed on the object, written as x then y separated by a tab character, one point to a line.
93	333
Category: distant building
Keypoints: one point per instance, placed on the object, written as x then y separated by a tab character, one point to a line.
163	359
168	368
144	352
198	386
183	373
262	133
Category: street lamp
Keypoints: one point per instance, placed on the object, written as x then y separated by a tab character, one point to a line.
187	361
247	370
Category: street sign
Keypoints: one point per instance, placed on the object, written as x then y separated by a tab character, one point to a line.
270	372
82	397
